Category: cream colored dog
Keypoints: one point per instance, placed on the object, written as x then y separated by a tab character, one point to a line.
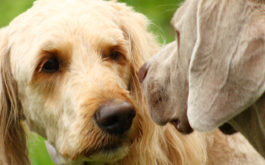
214	71
69	71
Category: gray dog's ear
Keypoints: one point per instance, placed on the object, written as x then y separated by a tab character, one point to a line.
227	68
12	136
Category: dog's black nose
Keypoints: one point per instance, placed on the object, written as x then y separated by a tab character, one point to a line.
115	118
143	72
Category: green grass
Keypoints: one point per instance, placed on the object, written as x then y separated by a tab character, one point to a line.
160	13
37	150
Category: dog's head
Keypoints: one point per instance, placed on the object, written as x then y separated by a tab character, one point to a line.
215	68
68	68
164	76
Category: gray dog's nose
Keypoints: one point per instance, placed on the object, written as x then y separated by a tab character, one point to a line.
142	72
115	118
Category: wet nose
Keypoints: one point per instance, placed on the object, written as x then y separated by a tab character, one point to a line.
115	118
143	72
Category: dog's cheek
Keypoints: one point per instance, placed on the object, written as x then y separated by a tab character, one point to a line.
65	139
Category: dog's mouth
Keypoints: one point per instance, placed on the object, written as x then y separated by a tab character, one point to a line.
106	154
111	152
183	127
115	148
104	149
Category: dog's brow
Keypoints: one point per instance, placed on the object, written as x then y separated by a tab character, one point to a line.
62	49
59	45
122	46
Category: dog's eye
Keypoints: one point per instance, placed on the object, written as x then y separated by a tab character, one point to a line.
115	55
50	66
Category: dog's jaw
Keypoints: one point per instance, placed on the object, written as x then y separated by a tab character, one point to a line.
98	158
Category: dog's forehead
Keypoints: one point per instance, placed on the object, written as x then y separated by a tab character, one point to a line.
65	12
61	23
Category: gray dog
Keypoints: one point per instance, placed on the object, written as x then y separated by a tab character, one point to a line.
215	70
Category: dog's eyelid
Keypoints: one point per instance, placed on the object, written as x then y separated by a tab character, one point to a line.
115	53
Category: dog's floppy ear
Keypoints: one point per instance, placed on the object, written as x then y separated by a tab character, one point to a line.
227	68
142	43
12	137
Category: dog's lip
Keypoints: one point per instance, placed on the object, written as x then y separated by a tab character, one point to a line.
175	122
111	147
183	128
104	149
162	122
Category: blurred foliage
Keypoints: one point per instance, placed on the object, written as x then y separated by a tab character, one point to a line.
158	11
11	8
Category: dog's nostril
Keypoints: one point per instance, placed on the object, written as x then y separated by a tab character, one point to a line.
143	72
115	118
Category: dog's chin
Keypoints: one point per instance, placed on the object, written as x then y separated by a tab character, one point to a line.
116	149
107	155
102	155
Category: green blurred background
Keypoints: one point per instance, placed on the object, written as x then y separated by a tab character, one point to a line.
158	11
